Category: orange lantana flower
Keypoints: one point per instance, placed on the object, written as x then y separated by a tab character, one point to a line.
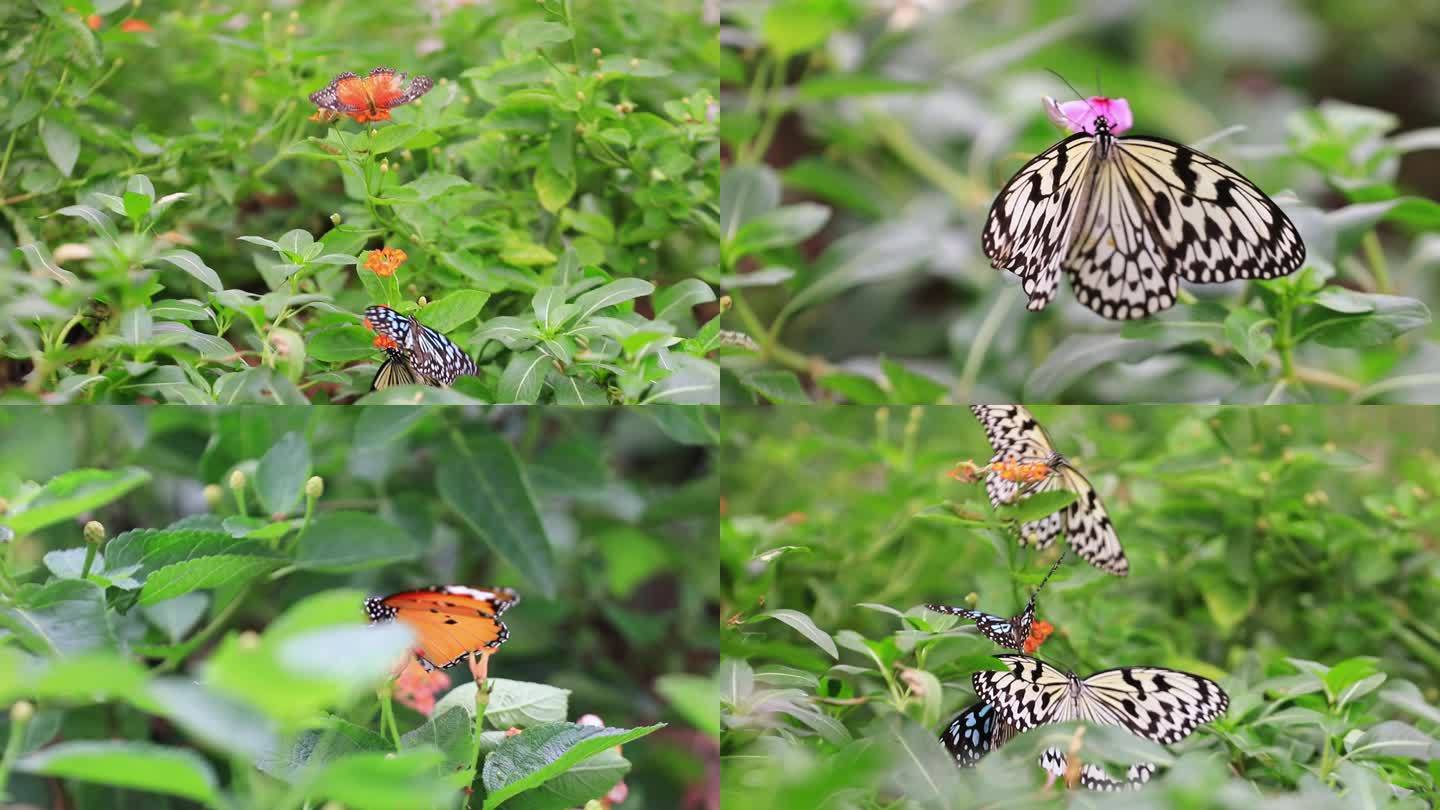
1039	631
385	261
135	27
385	341
417	688
1019	472
966	472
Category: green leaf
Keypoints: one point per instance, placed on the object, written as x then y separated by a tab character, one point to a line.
1246	331
572	390
385	781
552	188
454	310
153	549
131	765
352	541
746	193
135	206
195	266
806	627
281	475
71	494
848	85
909	388
215	571
612	294
1037	505
218	721
63	618
61	145
674	303
530	34
794	26
782	227
696	699
537	755
523	378
857	388
778	386
484	483
1389	317
378	427
519	704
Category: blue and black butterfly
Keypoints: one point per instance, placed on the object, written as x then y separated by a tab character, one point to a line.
417	351
1010	632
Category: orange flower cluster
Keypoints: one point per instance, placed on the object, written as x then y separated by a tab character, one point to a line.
385	341
1039	631
385	261
1021	473
417	688
966	472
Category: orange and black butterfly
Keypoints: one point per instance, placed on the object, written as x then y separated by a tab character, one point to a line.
449	621
369	98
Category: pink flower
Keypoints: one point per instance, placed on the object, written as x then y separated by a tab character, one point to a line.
1079	116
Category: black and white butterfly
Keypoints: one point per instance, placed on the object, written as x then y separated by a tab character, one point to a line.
1161	705
425	352
394	371
979	729
1127	218
1094	777
1017	438
1011	632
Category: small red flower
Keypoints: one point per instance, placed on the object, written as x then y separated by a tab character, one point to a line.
385	261
1039	631
384	341
417	688
94	21
135	27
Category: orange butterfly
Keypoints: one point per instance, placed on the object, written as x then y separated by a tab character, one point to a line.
369	98
450	621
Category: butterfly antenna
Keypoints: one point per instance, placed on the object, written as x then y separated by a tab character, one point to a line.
1073	90
1053	568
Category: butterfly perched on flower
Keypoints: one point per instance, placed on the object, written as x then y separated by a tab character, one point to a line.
1014	632
1161	705
1020	443
1128	218
394	371
979	729
372	97
424	352
449	621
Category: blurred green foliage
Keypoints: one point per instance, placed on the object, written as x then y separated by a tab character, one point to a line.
176	229
214	648
870	139
1288	552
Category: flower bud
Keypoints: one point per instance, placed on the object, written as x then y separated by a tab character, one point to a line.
237	479
94	533
213	494
315	487
335	219
22	711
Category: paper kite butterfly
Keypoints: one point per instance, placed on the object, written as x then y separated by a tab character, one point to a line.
1012	632
1128	218
1161	705
1026	462
449	621
372	97
414	350
978	729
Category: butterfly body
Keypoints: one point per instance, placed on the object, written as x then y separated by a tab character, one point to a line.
1127	218
1009	633
450	621
1016	437
370	97
424	351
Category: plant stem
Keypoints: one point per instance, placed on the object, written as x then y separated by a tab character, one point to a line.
961	188
976	356
1375	256
770	346
387	714
18	721
219	620
89	560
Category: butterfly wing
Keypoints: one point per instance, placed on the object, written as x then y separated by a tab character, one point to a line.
1029	693
389	323
976	731
1002	631
394	371
449	621
1088	526
344	94
1213	223
437	357
1163	705
1094	777
1028	231
387	88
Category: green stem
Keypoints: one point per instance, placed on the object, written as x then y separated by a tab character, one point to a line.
975	358
961	188
216	623
387	714
1375	256
89	560
770	347
19	719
